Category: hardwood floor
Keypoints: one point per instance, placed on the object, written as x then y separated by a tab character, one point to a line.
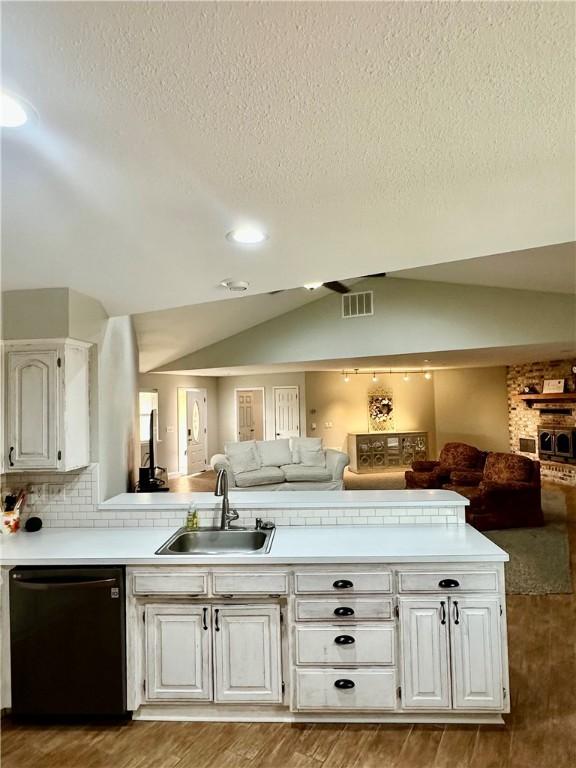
539	733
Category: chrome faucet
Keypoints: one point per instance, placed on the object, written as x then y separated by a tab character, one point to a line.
222	490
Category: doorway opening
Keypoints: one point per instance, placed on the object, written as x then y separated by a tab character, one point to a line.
192	431
250	415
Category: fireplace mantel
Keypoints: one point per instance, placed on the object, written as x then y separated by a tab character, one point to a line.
565	398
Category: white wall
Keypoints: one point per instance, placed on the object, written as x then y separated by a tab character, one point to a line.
226	401
118	384
471	406
410	316
345	405
167	386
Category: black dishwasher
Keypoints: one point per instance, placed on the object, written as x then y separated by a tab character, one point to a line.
68	641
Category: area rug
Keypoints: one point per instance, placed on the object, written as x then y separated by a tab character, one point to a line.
539	557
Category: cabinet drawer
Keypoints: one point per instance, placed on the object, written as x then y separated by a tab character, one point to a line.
343	609
346	645
169	583
366	689
343	582
250	583
452	581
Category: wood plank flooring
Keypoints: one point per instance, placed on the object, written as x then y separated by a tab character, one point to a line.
539	733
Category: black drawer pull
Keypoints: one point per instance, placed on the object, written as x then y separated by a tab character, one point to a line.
344	640
343	611
448	583
342	584
344	685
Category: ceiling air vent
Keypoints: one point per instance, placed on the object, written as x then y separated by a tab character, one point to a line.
357	304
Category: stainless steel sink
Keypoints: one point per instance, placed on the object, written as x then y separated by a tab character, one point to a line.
215	541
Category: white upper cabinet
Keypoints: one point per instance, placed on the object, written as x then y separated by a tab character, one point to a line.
247	659
476	653
47	406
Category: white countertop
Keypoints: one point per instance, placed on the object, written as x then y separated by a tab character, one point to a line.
338	544
289	499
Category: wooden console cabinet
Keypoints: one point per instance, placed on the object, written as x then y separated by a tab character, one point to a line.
374	451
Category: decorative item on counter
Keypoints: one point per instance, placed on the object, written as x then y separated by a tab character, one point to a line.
192	520
529	389
12	509
33	524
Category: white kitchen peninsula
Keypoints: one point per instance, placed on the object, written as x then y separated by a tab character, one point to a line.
376	606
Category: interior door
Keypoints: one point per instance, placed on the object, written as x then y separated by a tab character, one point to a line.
476	653
196	431
286	412
32	423
245	415
425	653
178	652
247	656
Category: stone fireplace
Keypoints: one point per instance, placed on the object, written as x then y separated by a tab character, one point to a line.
544	430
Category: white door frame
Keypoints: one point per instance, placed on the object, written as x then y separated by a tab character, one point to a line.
249	389
183	438
287	386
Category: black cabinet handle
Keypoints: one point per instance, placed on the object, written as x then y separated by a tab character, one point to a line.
442	612
204	617
342	584
10	452
216	624
344	685
456	613
343	611
344	640
448	583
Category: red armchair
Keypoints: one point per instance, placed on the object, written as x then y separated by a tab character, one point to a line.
507	496
453	457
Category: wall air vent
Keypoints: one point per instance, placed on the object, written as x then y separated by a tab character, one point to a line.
357	304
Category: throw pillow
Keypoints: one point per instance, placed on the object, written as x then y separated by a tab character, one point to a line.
312	458
274	453
309	443
243	457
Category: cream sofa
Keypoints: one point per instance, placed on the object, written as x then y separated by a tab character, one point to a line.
299	464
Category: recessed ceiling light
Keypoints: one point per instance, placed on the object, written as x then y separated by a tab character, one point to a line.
247	235
14	112
313	286
235	285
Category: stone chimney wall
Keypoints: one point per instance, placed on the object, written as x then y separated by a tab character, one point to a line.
524	421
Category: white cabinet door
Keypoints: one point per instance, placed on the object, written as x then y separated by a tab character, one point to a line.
32	420
425	654
178	652
476	653
247	657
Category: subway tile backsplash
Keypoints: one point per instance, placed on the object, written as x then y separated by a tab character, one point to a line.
71	499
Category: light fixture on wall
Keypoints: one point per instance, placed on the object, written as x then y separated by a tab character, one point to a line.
374	377
428	375
346	377
406	376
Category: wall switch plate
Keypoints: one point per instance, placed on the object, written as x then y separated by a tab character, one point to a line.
55	492
313	425
169	430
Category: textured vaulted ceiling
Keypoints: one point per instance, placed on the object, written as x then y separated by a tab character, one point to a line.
364	136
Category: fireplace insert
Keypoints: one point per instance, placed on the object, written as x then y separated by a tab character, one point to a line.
557	444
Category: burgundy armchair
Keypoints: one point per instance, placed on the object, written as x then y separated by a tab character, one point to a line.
453	457
508	495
